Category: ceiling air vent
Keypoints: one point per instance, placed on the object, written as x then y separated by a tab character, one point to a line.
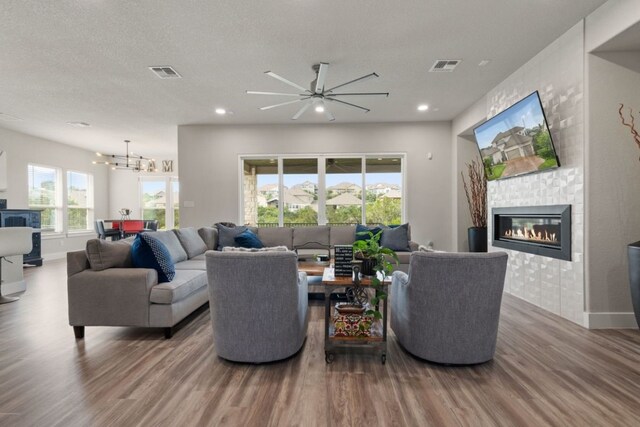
165	72
444	65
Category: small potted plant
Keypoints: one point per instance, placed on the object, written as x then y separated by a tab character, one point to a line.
373	254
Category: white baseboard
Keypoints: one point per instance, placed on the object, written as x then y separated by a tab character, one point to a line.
13	287
610	321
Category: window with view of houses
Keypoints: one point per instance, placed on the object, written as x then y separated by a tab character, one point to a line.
45	194
160	201
326	189
79	201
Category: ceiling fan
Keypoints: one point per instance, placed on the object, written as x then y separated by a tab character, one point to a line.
316	95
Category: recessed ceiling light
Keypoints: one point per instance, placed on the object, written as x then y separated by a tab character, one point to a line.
483	62
423	107
79	124
221	111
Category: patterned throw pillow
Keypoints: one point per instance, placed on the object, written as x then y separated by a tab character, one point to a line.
267	249
149	252
248	239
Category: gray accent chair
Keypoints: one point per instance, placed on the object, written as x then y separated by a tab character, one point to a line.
446	310
258	303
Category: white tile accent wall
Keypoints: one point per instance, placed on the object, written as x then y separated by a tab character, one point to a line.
558	74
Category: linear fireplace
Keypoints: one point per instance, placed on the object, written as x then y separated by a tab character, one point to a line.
540	230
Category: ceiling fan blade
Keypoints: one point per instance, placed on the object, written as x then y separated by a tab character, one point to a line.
301	111
283	80
322	76
359	79
253	92
268	107
366	110
358	94
328	114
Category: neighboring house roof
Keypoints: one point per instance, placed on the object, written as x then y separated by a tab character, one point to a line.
383	186
393	194
344	199
268	187
513	131
344	186
292	198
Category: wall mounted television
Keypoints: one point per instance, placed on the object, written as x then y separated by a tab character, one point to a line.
517	141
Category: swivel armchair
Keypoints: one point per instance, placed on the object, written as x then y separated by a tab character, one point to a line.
13	241
447	309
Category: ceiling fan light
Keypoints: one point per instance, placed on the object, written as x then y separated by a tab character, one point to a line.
319	108
423	107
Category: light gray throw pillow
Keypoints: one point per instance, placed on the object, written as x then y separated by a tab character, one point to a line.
396	238
191	241
170	240
103	254
227	235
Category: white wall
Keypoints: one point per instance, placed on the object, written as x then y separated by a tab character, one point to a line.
613	200
23	149
557	72
208	159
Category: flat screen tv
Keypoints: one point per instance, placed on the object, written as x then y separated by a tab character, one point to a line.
516	141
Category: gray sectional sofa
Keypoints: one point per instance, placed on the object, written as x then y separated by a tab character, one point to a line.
105	290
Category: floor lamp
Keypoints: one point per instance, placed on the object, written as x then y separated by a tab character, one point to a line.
13	241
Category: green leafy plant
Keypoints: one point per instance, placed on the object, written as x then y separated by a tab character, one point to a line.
370	248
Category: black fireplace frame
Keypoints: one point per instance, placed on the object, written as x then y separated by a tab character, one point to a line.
563	211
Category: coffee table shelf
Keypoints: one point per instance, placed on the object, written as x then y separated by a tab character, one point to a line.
333	344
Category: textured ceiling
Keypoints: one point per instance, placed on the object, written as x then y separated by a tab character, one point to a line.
87	60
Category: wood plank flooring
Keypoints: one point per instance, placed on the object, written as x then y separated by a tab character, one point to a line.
547	371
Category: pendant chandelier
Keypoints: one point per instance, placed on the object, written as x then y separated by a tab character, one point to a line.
129	161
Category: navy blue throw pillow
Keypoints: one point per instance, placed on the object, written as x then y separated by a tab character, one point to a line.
363	229
248	239
149	252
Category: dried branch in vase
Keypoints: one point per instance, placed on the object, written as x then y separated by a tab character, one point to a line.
476	193
631	125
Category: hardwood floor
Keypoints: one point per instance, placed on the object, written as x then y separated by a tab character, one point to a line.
547	371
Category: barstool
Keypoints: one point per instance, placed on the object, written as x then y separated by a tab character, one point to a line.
13	241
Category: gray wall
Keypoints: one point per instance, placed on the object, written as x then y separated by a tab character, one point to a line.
208	162
23	149
613	219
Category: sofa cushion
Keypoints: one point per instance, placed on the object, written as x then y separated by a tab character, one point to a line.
200	257
265	249
396	238
342	234
149	252
183	284
248	239
210	237
361	231
276	236
192	264
191	241
103	254
171	242
227	235
403	257
311	237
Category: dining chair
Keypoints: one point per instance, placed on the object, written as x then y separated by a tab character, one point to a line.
103	233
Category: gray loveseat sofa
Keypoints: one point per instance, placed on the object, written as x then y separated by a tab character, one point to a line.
105	290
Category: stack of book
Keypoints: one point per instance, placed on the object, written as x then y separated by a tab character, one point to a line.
343	258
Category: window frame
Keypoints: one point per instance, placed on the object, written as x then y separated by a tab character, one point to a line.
90	202
59	192
169	217
321	159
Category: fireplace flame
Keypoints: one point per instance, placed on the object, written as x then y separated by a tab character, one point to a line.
528	234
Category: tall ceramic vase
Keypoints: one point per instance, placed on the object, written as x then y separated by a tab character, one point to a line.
477	239
634	277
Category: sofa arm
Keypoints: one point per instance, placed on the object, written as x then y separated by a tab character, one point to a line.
111	297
